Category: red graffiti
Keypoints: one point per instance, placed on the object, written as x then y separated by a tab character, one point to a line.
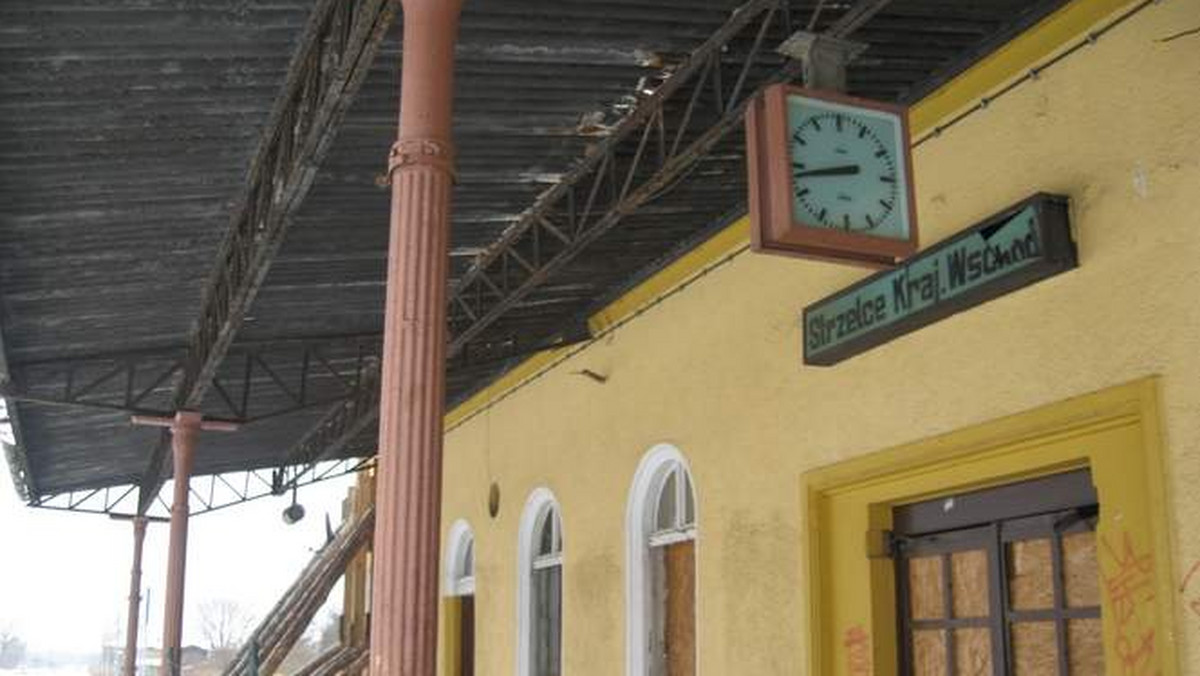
1136	650
1129	586
1194	603
858	651
1133	582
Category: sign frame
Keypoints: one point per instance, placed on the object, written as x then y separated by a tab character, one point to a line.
1057	254
773	228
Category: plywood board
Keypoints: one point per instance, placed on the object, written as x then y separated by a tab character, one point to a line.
929	653
1030	571
1034	649
969	582
973	652
681	609
1085	647
1081	569
925	588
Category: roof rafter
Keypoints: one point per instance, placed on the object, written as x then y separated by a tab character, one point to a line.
332	59
261	380
613	183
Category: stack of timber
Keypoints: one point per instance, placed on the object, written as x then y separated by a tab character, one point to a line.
344	660
277	634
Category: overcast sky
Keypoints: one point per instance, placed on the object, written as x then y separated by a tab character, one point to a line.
64	577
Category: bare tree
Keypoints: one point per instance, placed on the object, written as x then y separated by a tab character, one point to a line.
12	649
225	626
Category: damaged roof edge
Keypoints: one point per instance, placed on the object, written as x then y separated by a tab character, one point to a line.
18	459
18	465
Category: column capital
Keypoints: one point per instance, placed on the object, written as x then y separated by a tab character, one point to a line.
414	153
188	419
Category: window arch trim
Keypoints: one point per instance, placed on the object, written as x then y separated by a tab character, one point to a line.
540	504
640	535
460	544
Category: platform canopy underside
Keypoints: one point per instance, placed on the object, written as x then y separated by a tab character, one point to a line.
193	212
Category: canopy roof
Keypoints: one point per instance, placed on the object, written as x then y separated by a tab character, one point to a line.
193	218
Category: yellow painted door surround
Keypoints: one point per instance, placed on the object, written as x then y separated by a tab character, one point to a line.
1115	433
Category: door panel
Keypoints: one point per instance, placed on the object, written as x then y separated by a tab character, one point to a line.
466	644
680	618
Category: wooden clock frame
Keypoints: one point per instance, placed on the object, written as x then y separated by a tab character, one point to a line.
773	229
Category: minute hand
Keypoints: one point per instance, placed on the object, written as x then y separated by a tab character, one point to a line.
844	170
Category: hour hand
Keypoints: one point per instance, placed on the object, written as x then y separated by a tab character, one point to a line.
843	170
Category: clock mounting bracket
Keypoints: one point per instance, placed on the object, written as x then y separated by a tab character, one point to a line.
824	58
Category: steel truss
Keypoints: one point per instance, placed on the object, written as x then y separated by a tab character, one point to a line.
259	381
208	494
653	149
331	62
649	152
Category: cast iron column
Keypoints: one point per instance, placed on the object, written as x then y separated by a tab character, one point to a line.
183	442
405	588
135	598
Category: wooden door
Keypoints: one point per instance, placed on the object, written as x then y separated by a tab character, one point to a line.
466	644
1018	594
680	615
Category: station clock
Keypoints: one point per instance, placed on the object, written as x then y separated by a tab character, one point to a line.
830	177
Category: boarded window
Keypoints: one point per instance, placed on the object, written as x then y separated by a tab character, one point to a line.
547	621
466	645
1001	582
680	616
546	596
673	576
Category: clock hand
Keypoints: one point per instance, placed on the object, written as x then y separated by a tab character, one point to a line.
844	170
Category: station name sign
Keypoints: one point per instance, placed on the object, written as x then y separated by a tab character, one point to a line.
1019	246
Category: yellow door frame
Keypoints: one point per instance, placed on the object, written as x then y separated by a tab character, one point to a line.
850	590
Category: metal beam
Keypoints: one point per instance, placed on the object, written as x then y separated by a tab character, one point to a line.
335	52
645	156
345	422
15	454
262	380
338	428
208	493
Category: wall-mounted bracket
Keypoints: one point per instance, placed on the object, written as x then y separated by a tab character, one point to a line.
824	58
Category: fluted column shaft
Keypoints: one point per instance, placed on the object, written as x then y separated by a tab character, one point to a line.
405	588
183	444
129	667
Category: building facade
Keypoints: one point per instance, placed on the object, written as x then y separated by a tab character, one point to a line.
1011	489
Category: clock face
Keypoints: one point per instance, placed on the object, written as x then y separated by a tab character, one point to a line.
848	168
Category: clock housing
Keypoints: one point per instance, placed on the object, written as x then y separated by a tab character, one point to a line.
830	177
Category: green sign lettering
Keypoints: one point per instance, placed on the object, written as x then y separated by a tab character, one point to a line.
965	270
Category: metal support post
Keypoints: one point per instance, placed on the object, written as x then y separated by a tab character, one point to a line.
405	590
129	667
183	444
185	427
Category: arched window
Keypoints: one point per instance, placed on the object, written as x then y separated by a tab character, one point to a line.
460	560
539	588
460	601
661	567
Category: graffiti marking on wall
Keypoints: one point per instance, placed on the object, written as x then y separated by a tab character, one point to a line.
1192	600
1129	586
858	651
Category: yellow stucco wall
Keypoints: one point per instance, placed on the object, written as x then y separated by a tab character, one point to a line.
716	369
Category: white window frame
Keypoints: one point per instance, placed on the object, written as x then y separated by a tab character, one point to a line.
459	540
537	508
641	535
